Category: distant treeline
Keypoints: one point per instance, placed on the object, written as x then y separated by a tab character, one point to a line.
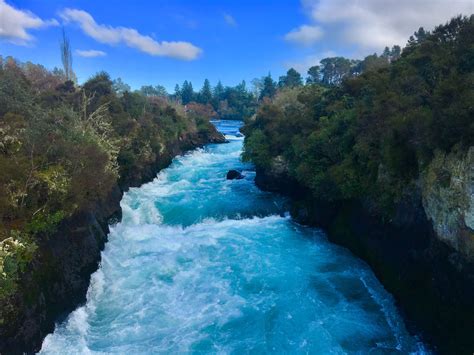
241	102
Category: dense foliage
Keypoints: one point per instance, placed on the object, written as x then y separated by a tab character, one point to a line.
228	103
64	147
369	128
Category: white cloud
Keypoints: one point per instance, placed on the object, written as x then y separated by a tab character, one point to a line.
15	23
130	37
305	35
230	20
365	26
374	24
90	53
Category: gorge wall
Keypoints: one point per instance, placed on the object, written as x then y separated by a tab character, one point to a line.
423	255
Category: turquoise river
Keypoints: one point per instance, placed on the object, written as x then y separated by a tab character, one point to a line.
201	264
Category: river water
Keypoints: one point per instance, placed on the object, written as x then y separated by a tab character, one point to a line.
206	265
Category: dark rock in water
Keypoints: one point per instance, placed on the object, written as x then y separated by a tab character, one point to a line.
234	175
239	135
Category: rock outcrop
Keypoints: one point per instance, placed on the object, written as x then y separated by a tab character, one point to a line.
234	175
276	177
448	199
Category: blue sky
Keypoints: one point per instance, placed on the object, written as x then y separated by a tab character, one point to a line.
226	40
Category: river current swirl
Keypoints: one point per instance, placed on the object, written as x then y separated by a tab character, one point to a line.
201	264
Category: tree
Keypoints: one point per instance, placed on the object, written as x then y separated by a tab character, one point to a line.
269	88
120	87
314	75
240	101
187	92
335	69
291	79
100	88
177	92
66	56
242	87
205	95
257	86
229	102
200	111
218	91
391	55
421	35
150	90
217	95
372	62
418	37
396	53
41	79
386	53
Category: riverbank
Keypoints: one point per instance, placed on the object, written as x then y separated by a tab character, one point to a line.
431	282
57	280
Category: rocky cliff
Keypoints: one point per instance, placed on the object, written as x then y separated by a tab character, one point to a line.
423	255
448	199
58	278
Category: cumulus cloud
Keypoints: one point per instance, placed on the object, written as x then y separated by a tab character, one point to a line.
305	35
15	23
90	53
230	20
374	24
130	37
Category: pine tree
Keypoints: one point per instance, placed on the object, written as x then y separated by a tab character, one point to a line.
217	95
177	92
205	95
187	92
269	87
396	52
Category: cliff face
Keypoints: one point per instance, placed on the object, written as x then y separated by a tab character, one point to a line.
58	278
423	255
448	199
